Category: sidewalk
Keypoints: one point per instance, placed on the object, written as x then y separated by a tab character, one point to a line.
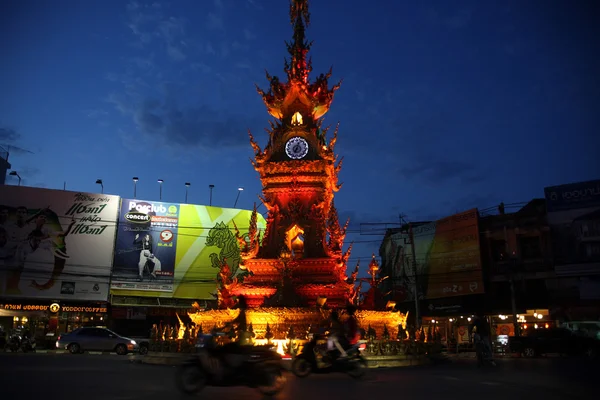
373	362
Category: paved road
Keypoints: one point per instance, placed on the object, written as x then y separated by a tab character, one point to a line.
91	377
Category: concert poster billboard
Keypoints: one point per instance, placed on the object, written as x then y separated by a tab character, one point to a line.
145	247
203	238
448	259
56	244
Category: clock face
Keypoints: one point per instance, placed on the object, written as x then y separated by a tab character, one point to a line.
296	148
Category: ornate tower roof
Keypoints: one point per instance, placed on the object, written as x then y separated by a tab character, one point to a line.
315	97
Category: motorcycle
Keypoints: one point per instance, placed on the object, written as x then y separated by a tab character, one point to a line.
28	345
13	344
231	365
316	358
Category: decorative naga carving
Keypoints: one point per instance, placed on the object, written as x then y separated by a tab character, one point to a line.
250	243
255	146
226	285
355	294
333	140
336	233
352	278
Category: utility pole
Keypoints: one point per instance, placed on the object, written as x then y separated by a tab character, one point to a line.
414	262
511	279
513	300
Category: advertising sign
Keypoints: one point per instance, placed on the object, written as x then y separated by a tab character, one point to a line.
574	219
192	247
448	260
146	246
56	244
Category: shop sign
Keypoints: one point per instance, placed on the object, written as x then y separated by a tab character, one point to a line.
54	307
98	310
25	307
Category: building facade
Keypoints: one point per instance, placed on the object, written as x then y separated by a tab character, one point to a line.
72	259
574	221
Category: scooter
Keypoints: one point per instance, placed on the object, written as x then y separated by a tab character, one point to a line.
315	358
257	367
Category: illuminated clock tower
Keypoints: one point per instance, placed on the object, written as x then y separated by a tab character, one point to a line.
299	259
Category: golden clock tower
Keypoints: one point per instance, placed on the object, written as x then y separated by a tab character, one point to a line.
300	257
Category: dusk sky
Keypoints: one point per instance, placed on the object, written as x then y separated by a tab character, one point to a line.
444	105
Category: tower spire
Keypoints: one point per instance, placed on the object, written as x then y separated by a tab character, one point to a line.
298	68
316	96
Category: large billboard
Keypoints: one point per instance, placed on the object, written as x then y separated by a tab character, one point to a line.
146	245
447	255
174	250
56	244
574	220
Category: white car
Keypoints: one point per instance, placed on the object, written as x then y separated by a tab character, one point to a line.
96	339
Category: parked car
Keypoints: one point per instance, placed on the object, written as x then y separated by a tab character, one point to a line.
537	342
96	339
583	328
143	343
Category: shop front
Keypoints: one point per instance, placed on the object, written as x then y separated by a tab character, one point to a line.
138	321
45	320
134	316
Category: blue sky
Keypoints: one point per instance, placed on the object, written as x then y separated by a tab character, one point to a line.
445	105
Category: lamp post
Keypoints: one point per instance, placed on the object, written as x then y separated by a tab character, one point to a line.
135	179
187	186
240	190
160	183
15	173
99	182
210	187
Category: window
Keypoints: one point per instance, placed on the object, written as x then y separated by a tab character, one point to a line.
530	247
101	333
498	248
84	332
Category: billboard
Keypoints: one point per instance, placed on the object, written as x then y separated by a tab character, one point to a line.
448	260
146	245
574	220
174	250
56	244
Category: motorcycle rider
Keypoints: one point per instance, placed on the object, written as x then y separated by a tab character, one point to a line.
336	332
233	354
351	326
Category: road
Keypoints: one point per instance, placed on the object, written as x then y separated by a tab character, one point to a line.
91	377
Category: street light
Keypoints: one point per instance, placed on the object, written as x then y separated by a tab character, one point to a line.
210	187
187	186
15	173
160	182
135	179
240	190
99	182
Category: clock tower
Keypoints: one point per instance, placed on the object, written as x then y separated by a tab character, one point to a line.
299	259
